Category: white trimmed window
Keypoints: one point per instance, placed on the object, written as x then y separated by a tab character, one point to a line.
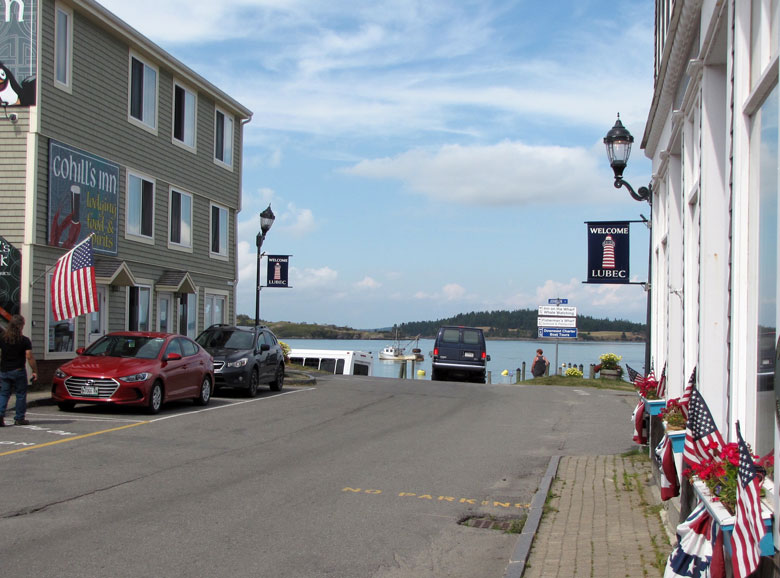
180	226
185	105
140	207
219	231
223	138
63	47
143	94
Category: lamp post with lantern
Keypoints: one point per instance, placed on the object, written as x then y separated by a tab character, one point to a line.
267	218
618	142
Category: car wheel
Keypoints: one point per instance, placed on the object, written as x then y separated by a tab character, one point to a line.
254	381
155	399
278	383
66	405
205	391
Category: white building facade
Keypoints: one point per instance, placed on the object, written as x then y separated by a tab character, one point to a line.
712	135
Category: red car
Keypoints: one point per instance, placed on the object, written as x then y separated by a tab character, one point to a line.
136	368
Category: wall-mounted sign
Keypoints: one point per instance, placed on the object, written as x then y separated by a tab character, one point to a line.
278	269
83	199
10	277
18	57
608	252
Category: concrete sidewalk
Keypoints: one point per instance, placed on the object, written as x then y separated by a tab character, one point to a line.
602	520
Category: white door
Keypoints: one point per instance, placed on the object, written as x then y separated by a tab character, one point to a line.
165	312
97	321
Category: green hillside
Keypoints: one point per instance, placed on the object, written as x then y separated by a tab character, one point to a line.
517	324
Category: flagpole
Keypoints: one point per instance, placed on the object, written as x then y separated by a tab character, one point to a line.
50	267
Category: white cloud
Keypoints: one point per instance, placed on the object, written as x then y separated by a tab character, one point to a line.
297	222
507	173
313	278
368	283
449	292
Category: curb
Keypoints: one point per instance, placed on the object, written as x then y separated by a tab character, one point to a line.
517	562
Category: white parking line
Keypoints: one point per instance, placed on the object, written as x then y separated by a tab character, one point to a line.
230	404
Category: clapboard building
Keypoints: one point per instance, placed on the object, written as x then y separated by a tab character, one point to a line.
103	133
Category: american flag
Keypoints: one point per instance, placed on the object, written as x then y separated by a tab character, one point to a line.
700	433
664	457
661	389
636	378
748	525
73	290
685	400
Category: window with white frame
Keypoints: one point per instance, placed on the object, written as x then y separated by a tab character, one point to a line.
223	138
63	47
219	231
61	335
764	169
143	93
180	229
140	207
214	309
184	115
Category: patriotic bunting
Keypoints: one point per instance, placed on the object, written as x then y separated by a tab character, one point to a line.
664	457
699	551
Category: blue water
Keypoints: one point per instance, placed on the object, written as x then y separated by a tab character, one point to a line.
504	355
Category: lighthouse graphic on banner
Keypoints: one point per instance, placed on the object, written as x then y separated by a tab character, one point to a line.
608	258
608	252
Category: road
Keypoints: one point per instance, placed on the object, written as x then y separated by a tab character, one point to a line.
355	477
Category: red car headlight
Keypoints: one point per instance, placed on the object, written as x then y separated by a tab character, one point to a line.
136	378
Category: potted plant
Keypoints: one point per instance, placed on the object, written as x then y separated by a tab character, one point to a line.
720	474
673	415
610	366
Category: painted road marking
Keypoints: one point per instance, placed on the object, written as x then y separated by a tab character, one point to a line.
439	499
32	446
74	438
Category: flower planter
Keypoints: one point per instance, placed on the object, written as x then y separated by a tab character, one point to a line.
726	520
610	373
654	406
677	437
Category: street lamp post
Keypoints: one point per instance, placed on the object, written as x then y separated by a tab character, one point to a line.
618	142
266	220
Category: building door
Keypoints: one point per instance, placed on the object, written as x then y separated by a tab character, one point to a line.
97	321
164	312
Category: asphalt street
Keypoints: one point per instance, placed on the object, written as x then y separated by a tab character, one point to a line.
354	477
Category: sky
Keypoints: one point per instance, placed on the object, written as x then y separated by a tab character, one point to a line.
425	158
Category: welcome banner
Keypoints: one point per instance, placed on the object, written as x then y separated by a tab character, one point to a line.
608	251
278	269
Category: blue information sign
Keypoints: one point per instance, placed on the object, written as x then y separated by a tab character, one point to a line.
558	332
558	301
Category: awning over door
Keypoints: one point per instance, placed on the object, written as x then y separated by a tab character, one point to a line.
176	282
109	271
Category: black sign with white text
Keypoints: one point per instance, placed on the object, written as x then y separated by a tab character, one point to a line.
278	268
608	252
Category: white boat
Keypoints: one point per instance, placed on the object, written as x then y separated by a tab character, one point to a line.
397	353
392	353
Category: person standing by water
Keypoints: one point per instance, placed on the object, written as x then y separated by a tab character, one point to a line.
539	364
16	354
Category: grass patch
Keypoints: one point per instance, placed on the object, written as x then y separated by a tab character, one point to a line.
571	381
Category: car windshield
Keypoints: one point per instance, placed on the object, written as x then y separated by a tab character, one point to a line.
226	339
126	346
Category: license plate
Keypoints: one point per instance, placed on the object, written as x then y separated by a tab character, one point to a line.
468	354
89	390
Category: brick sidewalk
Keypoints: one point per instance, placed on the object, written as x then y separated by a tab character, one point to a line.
601	522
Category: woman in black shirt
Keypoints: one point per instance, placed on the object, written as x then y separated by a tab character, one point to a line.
16	354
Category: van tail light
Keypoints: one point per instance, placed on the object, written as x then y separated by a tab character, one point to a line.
484	355
436	351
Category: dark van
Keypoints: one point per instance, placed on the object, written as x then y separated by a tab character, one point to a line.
459	352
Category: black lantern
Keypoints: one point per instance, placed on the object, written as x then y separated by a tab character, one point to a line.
618	142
